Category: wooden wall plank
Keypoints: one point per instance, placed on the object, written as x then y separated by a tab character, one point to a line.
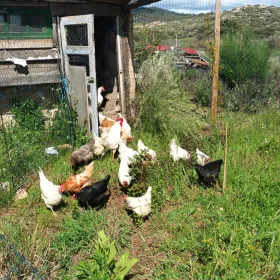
22	4
98	9
26	44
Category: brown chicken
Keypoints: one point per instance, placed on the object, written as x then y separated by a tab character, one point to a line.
105	122
76	182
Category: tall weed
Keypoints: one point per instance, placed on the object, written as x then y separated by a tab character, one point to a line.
242	58
165	103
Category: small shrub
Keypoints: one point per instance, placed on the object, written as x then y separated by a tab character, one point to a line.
104	264
28	115
165	105
242	57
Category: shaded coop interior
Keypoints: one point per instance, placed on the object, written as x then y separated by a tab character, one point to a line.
105	60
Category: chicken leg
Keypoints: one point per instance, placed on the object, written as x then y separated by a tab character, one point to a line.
52	211
113	155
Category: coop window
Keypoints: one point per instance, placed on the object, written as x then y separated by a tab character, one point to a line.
77	35
25	23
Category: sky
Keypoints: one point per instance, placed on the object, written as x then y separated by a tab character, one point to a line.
205	6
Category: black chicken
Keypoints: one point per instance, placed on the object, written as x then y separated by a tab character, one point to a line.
209	173
95	194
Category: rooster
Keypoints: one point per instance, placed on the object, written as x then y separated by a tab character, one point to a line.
105	122
177	152
76	182
99	95
127	154
144	149
124	176
93	195
82	156
141	205
126	129
202	158
114	136
209	173
49	192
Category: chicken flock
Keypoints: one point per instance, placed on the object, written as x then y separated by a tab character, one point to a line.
114	136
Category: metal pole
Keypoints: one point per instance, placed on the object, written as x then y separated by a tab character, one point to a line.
215	84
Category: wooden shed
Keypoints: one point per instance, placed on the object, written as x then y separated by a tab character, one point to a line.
89	43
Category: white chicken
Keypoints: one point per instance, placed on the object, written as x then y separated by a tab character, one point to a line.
177	152
126	129
49	192
144	149
202	158
141	205
99	95
98	147
114	136
124	176
127	154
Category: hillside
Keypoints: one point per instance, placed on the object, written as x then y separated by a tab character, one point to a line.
196	29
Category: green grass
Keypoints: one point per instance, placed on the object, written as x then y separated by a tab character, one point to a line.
193	233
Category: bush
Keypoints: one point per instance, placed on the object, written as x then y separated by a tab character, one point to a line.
165	103
243	58
28	115
253	96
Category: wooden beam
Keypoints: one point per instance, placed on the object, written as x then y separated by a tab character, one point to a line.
59	9
215	85
114	2
22	4
128	63
133	4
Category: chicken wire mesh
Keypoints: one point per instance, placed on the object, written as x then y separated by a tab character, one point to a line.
35	113
13	264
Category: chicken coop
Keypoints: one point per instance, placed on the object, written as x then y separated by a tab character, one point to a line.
86	43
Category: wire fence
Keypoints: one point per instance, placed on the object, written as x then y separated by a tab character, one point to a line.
13	265
35	110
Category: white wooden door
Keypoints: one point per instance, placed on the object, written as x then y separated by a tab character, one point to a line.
78	49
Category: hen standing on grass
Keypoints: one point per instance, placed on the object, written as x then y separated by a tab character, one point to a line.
49	192
202	158
144	149
124	174
82	156
76	182
177	152
209	173
114	136
141	205
95	194
127	154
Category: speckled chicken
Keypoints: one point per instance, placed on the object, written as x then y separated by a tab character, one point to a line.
82	156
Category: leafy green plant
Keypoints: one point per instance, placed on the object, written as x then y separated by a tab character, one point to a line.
104	264
242	57
28	115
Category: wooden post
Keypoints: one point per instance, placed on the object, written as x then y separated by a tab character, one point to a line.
225	161
215	84
120	67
